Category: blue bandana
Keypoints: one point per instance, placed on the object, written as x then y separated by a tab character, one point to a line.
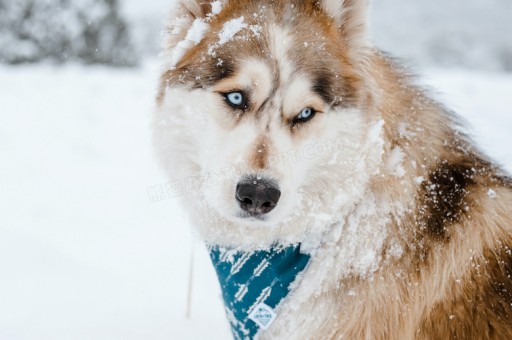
253	284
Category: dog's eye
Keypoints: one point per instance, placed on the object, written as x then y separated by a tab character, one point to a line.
236	100
305	115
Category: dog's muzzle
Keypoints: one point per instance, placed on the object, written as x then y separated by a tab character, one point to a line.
257	196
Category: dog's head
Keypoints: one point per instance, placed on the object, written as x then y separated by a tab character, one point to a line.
265	109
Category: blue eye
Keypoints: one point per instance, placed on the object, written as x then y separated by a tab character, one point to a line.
236	100
305	115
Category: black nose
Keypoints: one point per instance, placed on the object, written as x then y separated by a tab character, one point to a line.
257	196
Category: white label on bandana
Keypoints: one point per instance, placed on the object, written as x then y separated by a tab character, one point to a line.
263	315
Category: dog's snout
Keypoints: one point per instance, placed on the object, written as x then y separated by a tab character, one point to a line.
257	196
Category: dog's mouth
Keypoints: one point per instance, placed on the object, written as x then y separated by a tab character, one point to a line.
249	216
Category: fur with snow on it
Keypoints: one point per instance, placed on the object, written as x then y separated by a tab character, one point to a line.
230	29
370	211
194	36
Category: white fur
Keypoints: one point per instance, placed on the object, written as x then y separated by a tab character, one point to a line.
330	170
281	43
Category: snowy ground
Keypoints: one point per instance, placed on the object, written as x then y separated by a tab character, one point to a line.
84	253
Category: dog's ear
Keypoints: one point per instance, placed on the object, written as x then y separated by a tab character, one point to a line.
182	18
200	8
352	19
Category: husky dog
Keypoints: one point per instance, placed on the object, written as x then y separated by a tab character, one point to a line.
285	126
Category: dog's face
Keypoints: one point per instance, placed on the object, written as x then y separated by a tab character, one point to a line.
268	111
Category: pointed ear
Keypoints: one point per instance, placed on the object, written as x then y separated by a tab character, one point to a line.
199	8
352	18
184	15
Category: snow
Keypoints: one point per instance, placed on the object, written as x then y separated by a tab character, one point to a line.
420	179
84	252
396	161
197	31
483	99
216	7
194	36
455	33
230	29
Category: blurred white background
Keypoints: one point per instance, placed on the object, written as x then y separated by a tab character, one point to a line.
85	251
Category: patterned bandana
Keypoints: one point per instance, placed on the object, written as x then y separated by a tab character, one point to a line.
253	284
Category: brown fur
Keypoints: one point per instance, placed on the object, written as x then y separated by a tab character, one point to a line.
260	154
454	279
